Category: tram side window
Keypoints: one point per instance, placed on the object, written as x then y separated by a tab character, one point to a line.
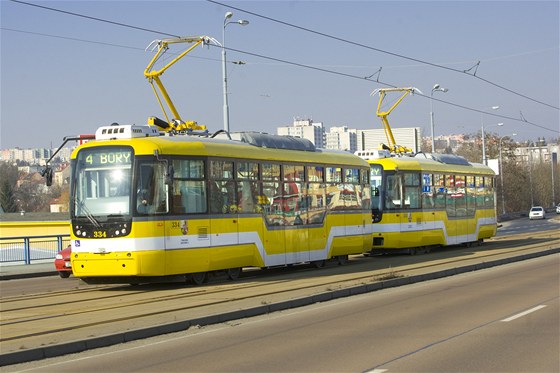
151	190
460	196
271	194
222	193
247	187
333	178
489	192
471	195
271	197
411	190
365	194
439	190
316	195
352	190
316	174
428	198
189	187
247	194
480	191
393	189
293	194
450	195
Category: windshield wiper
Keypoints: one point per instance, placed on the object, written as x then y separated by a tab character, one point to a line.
88	214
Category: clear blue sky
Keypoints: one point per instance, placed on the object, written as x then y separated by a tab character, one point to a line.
65	75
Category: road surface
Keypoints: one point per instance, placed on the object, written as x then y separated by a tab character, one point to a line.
501	319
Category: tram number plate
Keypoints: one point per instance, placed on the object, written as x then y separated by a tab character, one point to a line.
100	234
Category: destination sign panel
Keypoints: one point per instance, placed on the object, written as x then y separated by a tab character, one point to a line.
107	157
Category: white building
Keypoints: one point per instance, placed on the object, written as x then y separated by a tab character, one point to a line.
538	154
341	138
34	156
306	129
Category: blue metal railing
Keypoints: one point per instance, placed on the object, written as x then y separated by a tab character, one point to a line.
29	248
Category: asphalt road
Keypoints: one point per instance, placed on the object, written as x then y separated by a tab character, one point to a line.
501	319
524	225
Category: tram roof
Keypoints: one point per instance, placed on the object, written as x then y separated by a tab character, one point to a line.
251	145
433	162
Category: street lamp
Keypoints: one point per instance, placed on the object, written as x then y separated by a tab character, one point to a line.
241	22
502	174
436	88
484	160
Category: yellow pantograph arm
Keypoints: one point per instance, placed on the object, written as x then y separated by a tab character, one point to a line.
383	114
154	75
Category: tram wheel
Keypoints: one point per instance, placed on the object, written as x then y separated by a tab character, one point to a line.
342	259
198	278
233	273
318	263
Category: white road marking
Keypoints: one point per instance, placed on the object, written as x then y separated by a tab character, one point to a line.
523	313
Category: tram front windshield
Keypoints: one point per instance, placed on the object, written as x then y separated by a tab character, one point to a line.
102	182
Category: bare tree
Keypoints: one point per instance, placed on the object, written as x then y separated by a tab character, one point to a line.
8	177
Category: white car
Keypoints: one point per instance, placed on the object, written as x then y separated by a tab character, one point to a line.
558	208
537	212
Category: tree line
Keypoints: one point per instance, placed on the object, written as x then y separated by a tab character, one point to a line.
20	191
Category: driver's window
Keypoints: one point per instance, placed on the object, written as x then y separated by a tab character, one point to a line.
151	190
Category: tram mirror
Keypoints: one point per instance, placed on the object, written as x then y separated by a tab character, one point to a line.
48	174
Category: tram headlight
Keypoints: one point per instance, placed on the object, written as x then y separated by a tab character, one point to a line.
116	233
78	232
123	231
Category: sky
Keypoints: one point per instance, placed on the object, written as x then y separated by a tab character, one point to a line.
67	71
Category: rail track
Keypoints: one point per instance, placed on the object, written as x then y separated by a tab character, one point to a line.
35	320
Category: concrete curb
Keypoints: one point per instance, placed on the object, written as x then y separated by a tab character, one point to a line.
18	276
112	339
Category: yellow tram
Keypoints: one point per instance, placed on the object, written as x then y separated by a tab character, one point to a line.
148	206
429	200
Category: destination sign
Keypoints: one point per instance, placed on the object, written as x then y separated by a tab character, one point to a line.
108	157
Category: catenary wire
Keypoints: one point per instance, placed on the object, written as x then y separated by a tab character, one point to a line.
276	59
99	43
93	18
387	85
465	72
297	64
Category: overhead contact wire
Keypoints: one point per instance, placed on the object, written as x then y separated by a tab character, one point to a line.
382	51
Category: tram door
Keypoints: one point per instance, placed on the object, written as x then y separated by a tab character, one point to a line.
222	207
428	211
152	202
296	230
273	223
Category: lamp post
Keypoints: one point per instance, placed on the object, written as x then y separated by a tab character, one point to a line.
436	88
484	161
241	22
502	174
